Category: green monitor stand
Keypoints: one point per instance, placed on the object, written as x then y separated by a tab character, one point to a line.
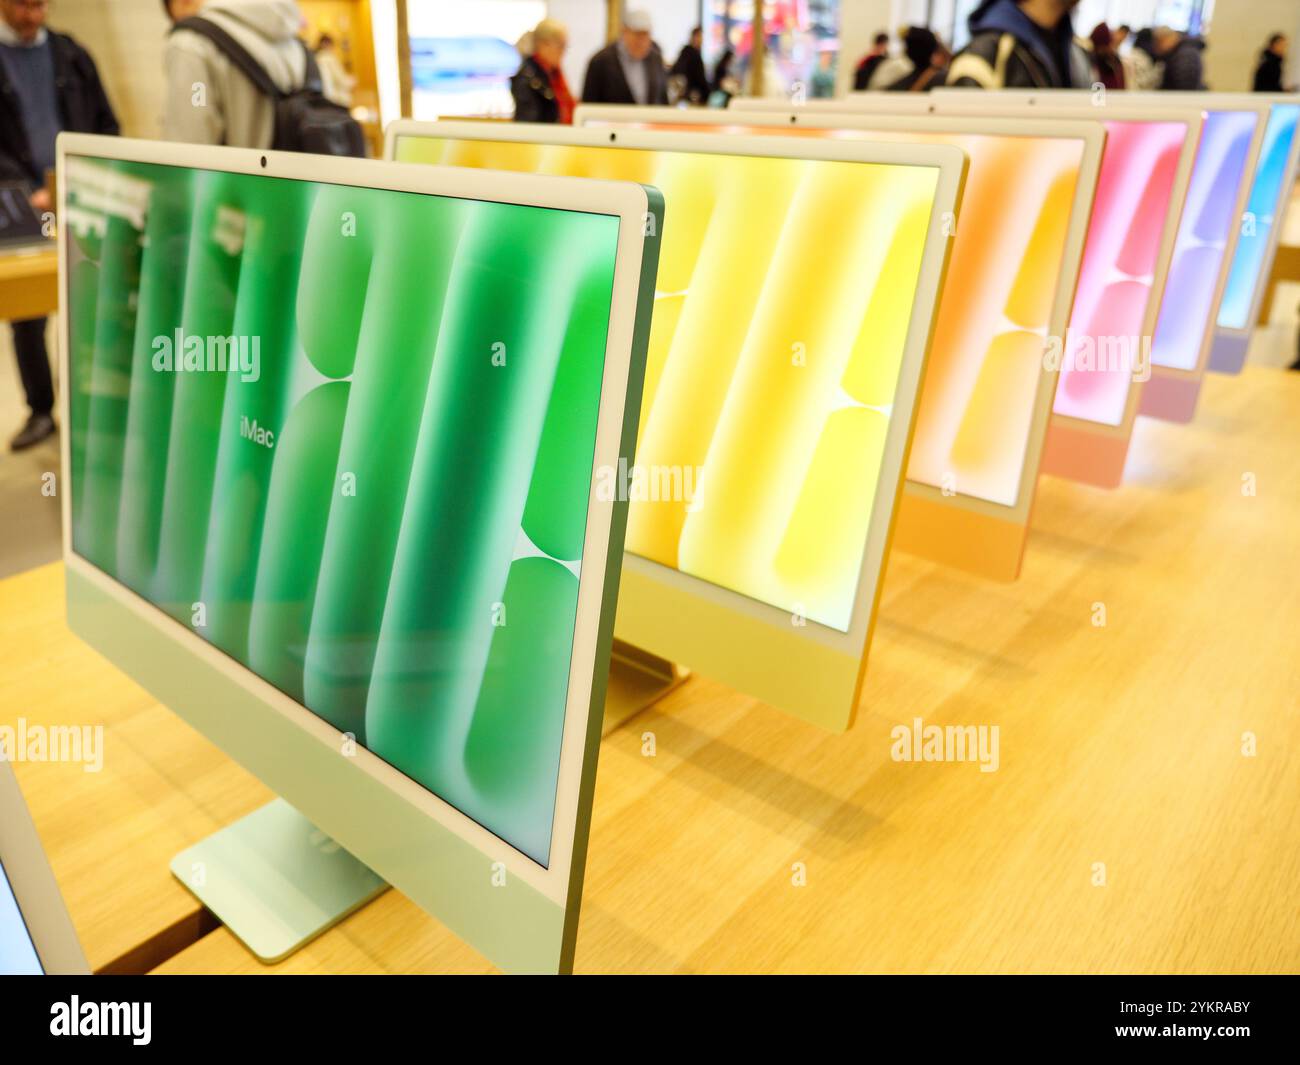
276	881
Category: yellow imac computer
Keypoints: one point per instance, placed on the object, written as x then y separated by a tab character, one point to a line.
793	310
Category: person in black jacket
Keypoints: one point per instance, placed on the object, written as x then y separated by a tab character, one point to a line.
629	71
929	61
1181	55
690	68
1268	75
48	83
540	91
879	52
1021	44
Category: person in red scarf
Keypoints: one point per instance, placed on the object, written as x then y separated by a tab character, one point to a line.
540	91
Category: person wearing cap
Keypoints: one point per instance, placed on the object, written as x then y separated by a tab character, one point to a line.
628	71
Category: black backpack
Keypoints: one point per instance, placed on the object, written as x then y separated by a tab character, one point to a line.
305	119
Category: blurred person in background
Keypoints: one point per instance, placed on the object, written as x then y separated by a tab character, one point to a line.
724	81
336	83
823	78
629	71
1181	55
232	110
1268	75
176	10
929	60
892	67
48	83
540	91
1143	64
774	83
1106	63
862	73
1021	44
690	68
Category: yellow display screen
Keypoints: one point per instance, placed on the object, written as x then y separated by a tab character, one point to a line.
985	376
782	308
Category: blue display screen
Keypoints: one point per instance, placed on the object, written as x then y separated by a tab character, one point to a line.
17	951
1264	210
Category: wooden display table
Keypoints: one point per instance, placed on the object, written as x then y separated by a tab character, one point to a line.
29	283
1120	747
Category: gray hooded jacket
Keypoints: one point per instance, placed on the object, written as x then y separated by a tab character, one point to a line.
209	100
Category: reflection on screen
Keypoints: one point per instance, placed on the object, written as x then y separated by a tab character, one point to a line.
17	952
1209	214
1263	212
783	301
347	436
1105	340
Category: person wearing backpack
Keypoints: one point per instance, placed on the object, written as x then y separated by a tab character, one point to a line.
238	74
1021	44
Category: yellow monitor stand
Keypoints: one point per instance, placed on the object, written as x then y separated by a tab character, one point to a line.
637	679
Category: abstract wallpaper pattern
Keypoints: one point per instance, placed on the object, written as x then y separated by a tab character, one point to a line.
985	372
385	521
1264	206
1134	188
986	366
1209	215
784	296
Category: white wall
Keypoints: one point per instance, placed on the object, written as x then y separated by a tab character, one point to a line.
860	21
125	38
673	22
585	20
1237	35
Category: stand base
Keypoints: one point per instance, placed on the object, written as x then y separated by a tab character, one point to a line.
636	680
275	880
1228	354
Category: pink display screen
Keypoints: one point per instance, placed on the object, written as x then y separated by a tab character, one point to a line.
1105	343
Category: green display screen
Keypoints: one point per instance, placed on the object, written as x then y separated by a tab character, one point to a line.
346	436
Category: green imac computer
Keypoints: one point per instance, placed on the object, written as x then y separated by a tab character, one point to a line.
333	435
